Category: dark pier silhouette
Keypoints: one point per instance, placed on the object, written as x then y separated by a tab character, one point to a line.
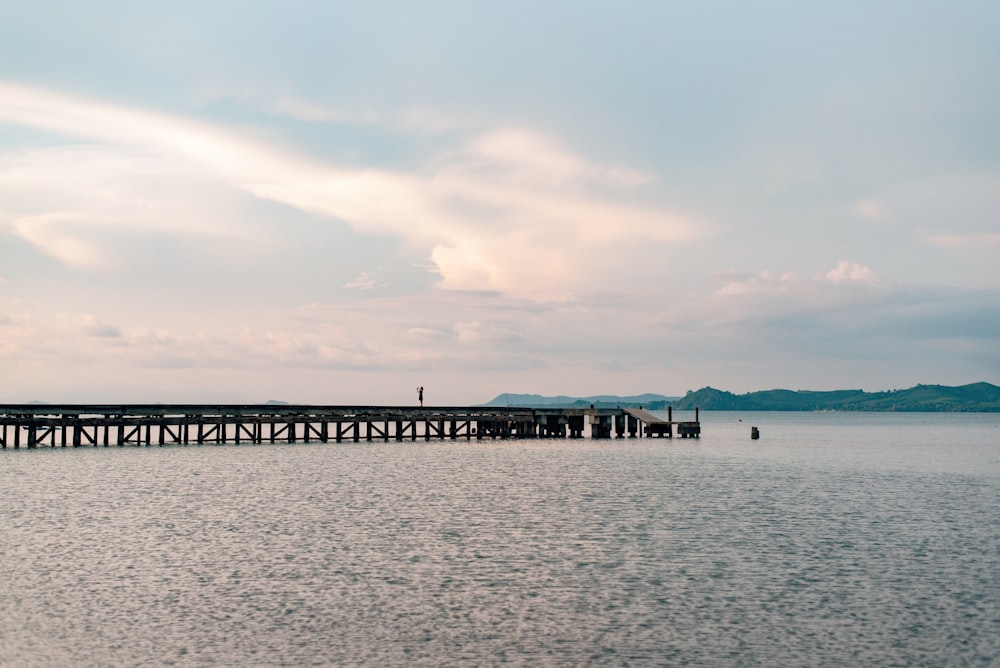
78	425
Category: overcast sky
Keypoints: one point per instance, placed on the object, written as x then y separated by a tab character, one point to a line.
336	202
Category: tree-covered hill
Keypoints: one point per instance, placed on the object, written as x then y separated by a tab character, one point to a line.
976	397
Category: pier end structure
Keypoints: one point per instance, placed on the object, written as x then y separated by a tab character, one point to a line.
79	425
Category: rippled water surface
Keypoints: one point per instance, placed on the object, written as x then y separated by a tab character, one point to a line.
834	540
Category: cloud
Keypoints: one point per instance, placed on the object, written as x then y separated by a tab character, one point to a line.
509	211
782	334
80	203
745	293
959	241
953	209
870	209
88	325
851	272
420	119
426	334
762	282
364	281
301	110
478	333
57	234
813	333
519	154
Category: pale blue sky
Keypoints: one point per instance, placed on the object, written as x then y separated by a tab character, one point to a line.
335	202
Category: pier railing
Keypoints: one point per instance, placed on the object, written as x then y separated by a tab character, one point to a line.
78	425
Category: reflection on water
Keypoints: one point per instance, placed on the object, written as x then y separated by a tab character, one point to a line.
834	540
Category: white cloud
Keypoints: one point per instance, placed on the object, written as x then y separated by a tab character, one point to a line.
970	240
870	209
301	110
296	108
818	289
851	272
478	333
762	282
952	209
364	281
510	211
57	235
78	203
523	155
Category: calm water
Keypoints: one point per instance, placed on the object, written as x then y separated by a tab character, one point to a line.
835	540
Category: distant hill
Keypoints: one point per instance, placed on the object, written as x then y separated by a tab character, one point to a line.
976	397
653	401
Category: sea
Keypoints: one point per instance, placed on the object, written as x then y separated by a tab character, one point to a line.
836	539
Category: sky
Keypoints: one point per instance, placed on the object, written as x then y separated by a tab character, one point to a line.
337	202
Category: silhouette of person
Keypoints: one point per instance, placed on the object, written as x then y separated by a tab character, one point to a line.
420	395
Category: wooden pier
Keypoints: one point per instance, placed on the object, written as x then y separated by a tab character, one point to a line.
79	425
655	427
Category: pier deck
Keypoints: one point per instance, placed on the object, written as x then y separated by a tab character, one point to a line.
659	428
78	425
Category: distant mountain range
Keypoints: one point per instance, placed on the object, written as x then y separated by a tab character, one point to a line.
976	397
600	401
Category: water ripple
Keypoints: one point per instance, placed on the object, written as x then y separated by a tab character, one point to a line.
524	553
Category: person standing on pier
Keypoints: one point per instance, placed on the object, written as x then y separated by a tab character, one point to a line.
420	395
